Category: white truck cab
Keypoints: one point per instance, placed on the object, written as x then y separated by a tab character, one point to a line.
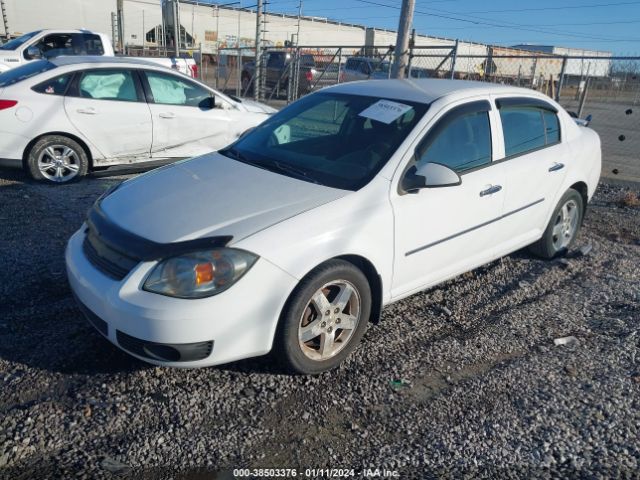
52	43
55	43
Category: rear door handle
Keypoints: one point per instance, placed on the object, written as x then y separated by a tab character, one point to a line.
87	111
556	166
167	115
491	190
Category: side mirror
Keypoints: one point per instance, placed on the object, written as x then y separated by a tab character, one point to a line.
429	175
208	103
34	52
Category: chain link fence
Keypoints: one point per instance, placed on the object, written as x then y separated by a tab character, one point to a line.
606	88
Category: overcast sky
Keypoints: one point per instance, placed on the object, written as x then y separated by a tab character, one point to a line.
592	24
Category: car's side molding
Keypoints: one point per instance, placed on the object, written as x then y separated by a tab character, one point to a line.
476	227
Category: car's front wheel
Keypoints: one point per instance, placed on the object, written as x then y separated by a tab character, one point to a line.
57	159
324	319
563	227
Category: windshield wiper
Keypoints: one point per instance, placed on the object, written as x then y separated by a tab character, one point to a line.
273	166
296	172
233	153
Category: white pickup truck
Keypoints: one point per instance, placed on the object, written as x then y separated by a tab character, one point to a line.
54	43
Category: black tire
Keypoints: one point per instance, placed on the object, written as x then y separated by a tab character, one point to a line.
77	163
547	247
288	348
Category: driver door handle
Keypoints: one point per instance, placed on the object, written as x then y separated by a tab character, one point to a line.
167	115
491	190
87	111
556	166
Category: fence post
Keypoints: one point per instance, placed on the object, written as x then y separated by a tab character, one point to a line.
339	63
453	60
561	79
239	72
584	96
296	75
412	44
201	72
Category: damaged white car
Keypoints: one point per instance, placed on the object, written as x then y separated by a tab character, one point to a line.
62	118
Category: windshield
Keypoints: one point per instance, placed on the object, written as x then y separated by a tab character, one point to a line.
382	67
17	42
25	71
338	140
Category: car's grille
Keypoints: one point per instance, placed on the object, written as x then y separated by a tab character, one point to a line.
168	352
106	259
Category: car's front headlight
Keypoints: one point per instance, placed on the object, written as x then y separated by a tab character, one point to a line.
199	274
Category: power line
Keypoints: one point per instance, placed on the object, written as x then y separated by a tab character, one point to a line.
569	7
513	26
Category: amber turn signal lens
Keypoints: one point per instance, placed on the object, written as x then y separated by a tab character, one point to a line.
204	273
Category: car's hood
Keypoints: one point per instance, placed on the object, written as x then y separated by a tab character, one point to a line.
209	196
257	107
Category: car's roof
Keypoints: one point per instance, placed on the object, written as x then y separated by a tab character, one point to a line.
80	59
423	90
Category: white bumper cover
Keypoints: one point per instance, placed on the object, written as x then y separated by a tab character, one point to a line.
241	321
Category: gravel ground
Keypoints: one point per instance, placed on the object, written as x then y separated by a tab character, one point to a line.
460	381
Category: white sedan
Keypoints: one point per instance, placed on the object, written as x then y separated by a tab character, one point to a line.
61	118
294	237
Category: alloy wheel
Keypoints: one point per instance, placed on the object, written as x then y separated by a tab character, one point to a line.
58	163
566	225
329	320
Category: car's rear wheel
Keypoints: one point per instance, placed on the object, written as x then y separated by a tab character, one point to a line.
563	227
57	159
324	319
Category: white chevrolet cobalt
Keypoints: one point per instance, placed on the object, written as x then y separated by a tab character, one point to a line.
294	237
63	117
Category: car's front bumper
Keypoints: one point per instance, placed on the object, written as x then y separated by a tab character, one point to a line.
237	323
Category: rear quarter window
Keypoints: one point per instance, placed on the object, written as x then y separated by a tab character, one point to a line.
54	86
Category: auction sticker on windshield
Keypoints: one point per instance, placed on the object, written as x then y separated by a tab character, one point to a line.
385	111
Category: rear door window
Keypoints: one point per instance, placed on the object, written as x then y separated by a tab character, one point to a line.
528	124
108	84
523	129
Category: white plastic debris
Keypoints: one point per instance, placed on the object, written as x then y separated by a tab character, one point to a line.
565	340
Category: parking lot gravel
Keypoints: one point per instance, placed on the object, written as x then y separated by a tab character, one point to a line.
462	381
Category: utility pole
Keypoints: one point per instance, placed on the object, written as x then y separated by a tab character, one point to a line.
176	27
120	24
5	18
402	45
258	72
